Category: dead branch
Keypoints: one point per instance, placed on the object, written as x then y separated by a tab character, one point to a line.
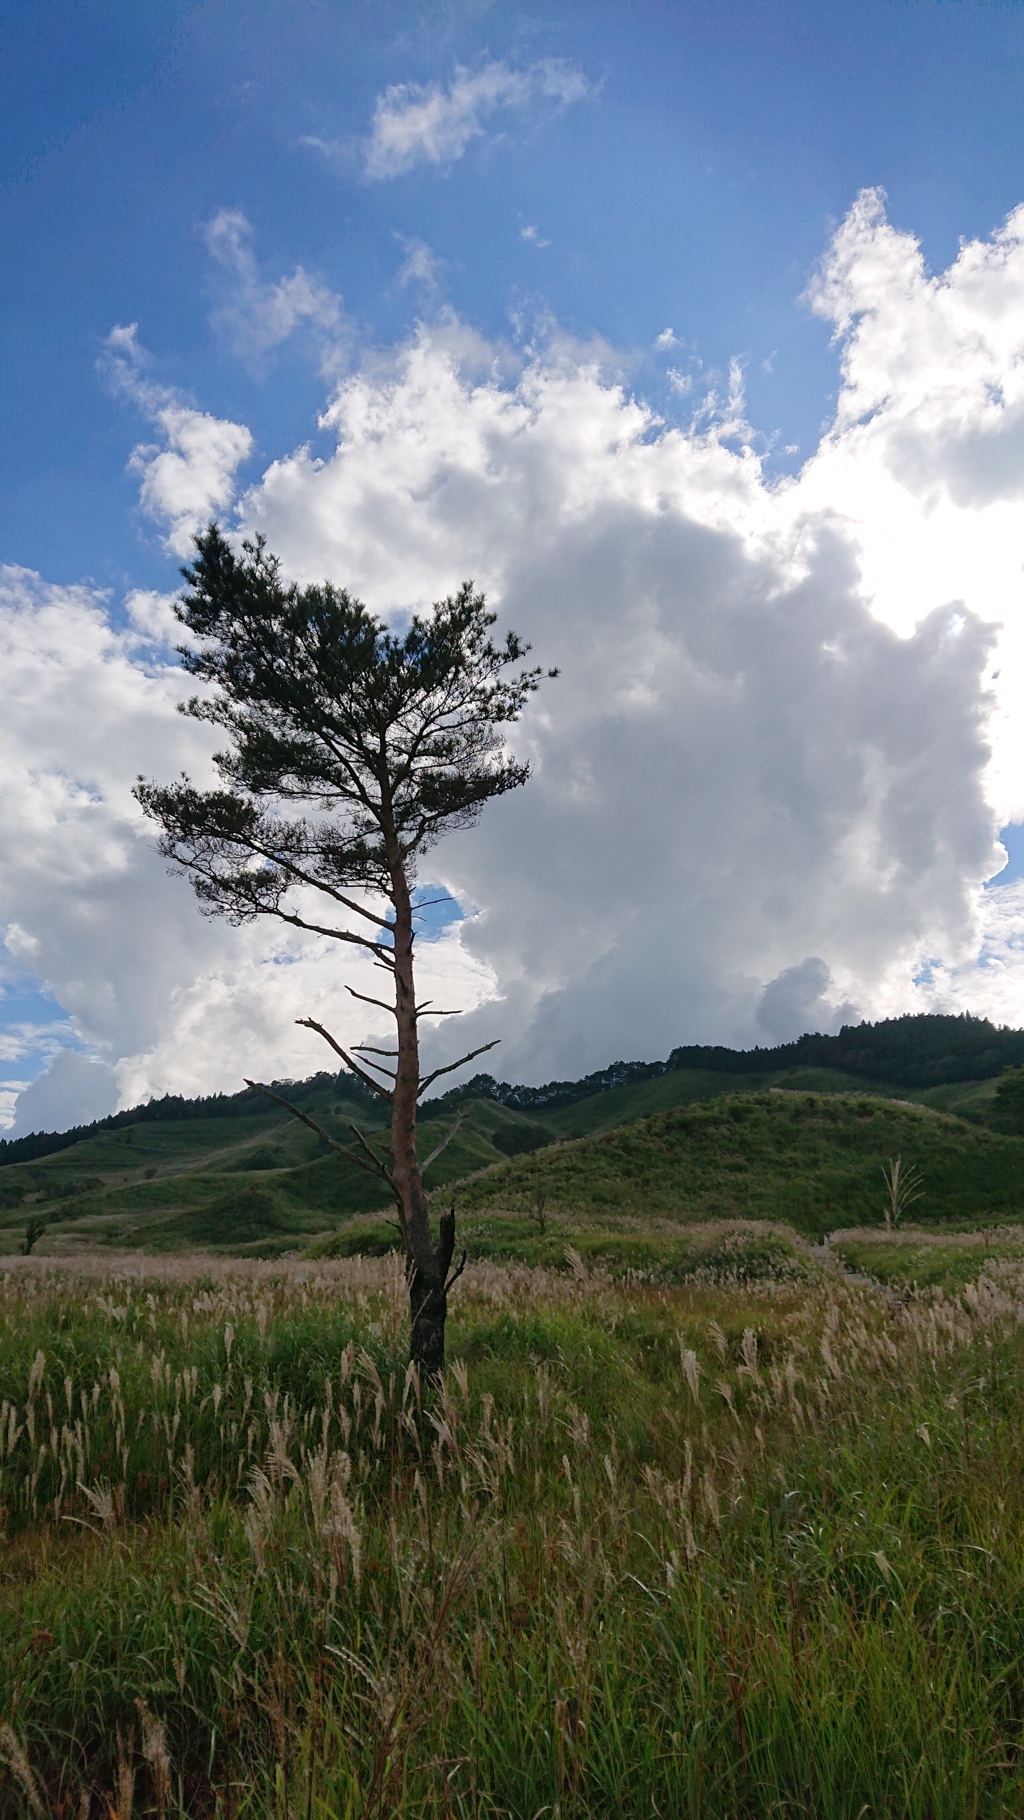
310	1023
372	1001
463	1059
443	1145
456	1273
390	1072
372	1154
374	1167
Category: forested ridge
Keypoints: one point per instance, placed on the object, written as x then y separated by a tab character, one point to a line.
928	1050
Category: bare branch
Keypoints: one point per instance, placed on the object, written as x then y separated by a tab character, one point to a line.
310	1023
357	909
373	1001
443	1145
372	1154
368	1049
274	856
390	1072
456	1273
463	1059
422	1011
377	1167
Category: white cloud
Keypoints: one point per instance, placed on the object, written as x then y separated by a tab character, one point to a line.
190	478
800	999
152	618
416	123
167	999
532	235
926	456
763	789
20	1040
744	771
421	265
257	316
72	1091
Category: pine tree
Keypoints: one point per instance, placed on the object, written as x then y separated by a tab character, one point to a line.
350	751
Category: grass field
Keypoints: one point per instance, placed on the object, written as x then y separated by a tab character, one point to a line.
709	1550
265	1186
811	1160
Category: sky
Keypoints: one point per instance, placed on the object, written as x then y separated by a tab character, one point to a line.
694	333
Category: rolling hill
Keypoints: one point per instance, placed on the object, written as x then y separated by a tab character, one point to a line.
802	1144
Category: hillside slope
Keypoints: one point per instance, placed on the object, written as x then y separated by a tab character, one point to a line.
261	1183
241	1175
811	1160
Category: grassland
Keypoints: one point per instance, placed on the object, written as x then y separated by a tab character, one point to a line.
264	1185
810	1159
709	1519
714	1549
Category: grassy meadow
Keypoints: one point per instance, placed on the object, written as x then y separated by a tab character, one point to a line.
265	1186
737	1545
774	1167
717	1515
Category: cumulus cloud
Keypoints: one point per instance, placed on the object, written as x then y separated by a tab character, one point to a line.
72	1091
427	123
84	903
925	458
166	999
152	618
192	475
741	767
799	1000
767	785
256	316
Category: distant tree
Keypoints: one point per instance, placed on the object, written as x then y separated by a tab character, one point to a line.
35	1226
1009	1100
387	742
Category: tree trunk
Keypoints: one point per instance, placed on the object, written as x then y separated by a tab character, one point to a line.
426	1264
428	1303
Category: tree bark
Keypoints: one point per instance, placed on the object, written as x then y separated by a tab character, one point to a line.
426	1264
428	1303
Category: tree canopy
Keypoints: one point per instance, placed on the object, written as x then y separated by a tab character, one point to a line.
351	749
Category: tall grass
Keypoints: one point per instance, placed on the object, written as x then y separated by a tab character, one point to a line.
702	1551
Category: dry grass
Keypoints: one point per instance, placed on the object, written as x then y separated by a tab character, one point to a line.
716	1550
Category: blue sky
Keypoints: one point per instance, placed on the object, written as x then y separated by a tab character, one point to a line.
695	190
617	229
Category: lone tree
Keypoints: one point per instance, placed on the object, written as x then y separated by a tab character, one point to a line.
388	742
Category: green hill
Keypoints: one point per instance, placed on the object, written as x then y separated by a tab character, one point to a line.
656	1194
265	1184
639	1141
811	1160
